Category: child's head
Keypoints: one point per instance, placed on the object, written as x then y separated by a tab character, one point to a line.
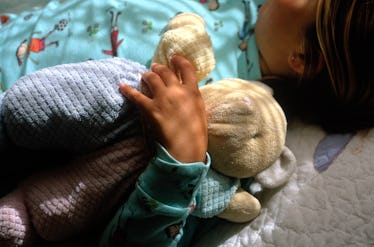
326	45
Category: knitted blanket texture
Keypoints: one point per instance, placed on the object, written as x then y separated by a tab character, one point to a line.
75	107
58	203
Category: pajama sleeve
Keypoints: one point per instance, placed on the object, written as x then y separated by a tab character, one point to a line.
156	211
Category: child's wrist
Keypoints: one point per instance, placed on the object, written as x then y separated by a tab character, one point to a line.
188	153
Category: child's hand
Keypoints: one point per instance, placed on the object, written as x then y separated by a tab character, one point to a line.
176	110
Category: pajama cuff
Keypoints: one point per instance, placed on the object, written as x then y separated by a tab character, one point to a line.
171	182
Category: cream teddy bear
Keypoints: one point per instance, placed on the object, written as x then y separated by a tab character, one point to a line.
247	132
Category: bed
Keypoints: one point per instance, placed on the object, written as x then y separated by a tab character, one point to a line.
332	207
328	201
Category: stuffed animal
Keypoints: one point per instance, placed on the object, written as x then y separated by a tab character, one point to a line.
247	132
246	136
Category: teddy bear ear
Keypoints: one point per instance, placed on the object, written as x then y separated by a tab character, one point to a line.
278	173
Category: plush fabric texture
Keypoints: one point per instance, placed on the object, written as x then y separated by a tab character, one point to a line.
186	36
247	131
75	107
247	128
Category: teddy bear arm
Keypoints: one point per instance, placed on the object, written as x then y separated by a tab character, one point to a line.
243	207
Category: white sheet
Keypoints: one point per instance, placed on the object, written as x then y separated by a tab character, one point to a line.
331	208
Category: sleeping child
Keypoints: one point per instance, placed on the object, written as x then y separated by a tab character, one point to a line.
57	34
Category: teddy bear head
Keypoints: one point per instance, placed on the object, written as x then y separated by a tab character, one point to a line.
246	126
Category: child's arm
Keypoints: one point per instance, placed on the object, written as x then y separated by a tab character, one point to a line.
165	194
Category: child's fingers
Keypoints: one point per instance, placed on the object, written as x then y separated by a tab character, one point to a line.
136	97
154	82
186	70
167	75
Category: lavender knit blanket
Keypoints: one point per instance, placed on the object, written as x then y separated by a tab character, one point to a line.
75	107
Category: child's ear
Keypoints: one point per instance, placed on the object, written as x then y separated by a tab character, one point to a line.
296	62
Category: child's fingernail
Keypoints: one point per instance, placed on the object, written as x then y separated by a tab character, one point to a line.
153	65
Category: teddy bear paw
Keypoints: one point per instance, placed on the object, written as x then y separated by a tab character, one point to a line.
186	36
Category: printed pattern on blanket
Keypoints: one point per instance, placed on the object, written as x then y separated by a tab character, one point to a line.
65	32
